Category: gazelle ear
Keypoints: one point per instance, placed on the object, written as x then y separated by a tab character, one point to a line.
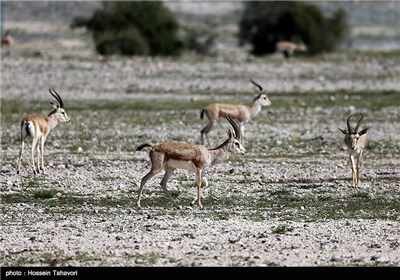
344	131
363	131
55	106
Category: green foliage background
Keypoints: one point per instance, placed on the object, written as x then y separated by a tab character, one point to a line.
263	23
133	28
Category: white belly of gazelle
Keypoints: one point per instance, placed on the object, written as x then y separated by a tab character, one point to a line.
180	164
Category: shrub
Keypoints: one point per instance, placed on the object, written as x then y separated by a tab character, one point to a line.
128	28
264	23
199	38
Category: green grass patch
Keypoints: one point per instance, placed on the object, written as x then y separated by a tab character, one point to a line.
48	259
33	182
45	193
330	205
372	99
66	202
281	229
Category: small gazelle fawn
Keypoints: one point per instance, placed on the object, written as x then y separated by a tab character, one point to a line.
38	128
240	113
355	140
170	156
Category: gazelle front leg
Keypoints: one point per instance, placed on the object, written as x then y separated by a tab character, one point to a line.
358	168
42	153
241	127
353	170
38	156
197	200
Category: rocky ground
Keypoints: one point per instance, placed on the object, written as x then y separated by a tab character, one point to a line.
287	202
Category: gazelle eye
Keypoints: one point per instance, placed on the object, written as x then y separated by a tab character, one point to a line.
237	144
63	113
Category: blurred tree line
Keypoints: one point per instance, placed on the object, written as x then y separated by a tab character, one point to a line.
150	28
265	23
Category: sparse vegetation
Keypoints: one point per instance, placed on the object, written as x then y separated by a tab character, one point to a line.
281	229
45	193
133	28
265	23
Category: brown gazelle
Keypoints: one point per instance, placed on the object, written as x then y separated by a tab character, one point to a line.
355	140
170	156
238	112
6	40
38	128
287	48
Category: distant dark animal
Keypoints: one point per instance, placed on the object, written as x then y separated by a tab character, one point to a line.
6	40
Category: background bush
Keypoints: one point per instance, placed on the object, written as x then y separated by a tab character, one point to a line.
133	28
199	38
264	23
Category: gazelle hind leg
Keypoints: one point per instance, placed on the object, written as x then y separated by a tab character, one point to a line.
20	155
205	131
156	167
203	177
144	180
168	173
34	147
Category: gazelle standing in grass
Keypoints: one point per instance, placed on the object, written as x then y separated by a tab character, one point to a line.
238	112
6	40
355	140
38	128
170	156
287	48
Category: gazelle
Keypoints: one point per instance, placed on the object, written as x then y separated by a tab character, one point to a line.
38	128
355	140
192	157
238	112
6	40
287	48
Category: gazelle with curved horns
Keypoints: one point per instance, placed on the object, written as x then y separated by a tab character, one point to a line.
355	140
38	128
170	156
238	112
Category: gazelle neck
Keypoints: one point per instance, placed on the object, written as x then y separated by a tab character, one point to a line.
51	120
220	153
255	108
